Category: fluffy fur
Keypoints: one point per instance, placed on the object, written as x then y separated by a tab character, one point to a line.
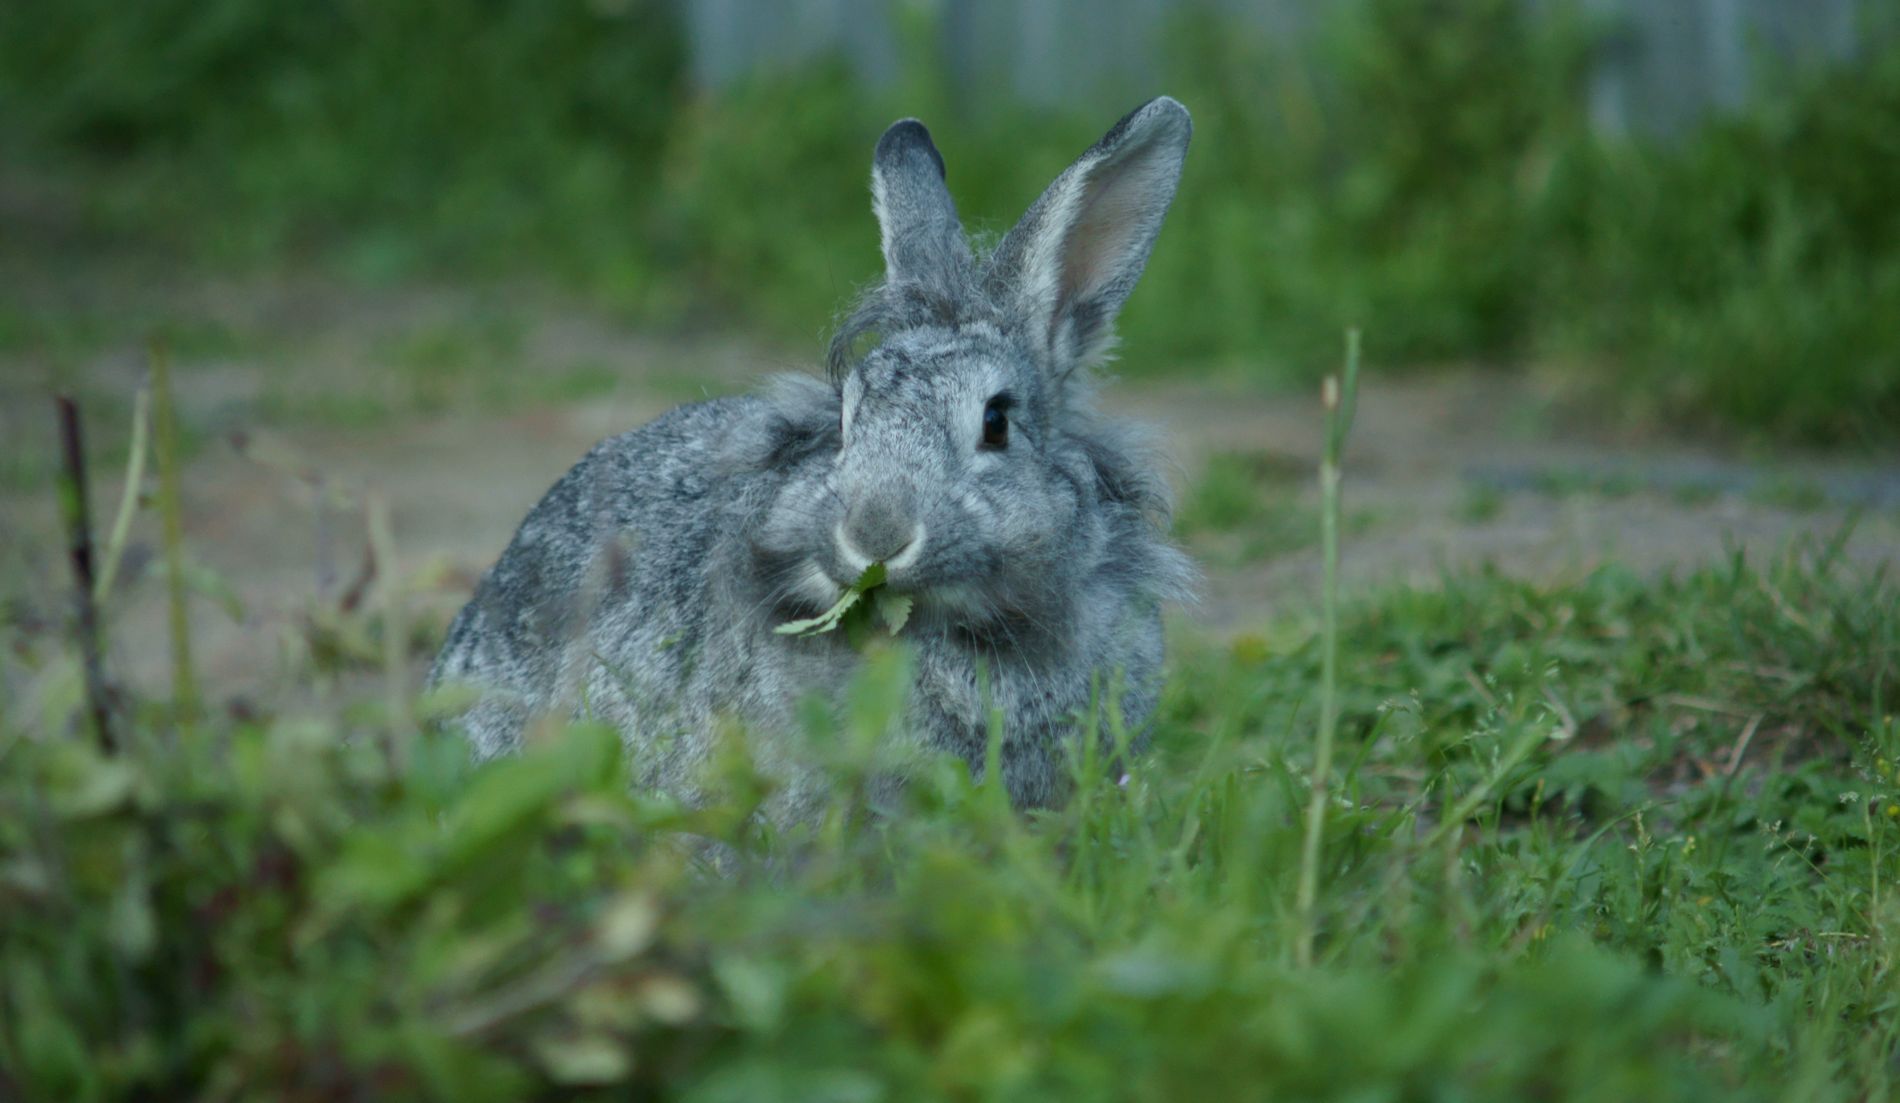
644	588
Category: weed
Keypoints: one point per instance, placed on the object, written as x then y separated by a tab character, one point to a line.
1790	492
1246	506
1236	489
1563	482
1481	502
1694	492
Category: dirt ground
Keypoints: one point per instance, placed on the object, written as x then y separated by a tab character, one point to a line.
1446	471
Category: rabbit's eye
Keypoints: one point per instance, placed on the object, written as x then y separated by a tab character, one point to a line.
996	422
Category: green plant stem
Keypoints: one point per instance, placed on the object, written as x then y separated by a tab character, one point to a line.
1338	398
128	496
171	515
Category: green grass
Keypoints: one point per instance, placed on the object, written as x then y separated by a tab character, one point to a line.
1610	838
1790	492
1480	503
1566	482
1250	505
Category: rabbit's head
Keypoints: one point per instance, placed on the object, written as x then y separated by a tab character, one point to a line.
959	450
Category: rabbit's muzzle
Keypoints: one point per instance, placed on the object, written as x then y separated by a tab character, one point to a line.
880	527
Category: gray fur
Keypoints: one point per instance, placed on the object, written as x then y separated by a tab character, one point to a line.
644	588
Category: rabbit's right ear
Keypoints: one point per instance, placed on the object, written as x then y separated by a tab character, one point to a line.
922	240
1068	266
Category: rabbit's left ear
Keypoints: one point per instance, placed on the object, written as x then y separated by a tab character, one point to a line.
1071	262
922	240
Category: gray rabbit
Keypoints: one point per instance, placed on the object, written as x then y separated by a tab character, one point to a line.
961	452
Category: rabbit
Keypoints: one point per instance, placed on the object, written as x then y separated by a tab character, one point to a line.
961	451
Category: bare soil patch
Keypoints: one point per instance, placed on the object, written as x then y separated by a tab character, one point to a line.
1449	471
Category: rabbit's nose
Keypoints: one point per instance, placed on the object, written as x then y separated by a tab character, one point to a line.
878	531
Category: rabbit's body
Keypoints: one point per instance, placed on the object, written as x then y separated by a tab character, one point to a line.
645	588
623	597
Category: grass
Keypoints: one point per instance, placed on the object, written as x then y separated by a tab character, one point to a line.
1247	506
1563	482
1608	837
1602	840
1790	492
1481	502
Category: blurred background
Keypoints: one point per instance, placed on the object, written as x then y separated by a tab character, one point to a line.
1629	270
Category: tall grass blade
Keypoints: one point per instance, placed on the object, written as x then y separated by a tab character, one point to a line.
128	497
1339	399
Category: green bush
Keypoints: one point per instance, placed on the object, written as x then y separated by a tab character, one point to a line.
1402	181
1427	165
766	199
412	138
1748	277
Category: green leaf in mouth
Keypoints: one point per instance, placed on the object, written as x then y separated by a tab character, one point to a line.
892	609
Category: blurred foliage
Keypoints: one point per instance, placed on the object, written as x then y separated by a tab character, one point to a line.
1606	840
1400	179
1751	276
1427	167
402	137
766	197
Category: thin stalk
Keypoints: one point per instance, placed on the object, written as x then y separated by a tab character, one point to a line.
76	507
128	497
395	633
1339	401
171	515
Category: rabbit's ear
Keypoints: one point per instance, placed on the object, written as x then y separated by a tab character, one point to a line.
1068	266
923	241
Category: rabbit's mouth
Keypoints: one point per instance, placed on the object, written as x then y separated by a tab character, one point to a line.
942	605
